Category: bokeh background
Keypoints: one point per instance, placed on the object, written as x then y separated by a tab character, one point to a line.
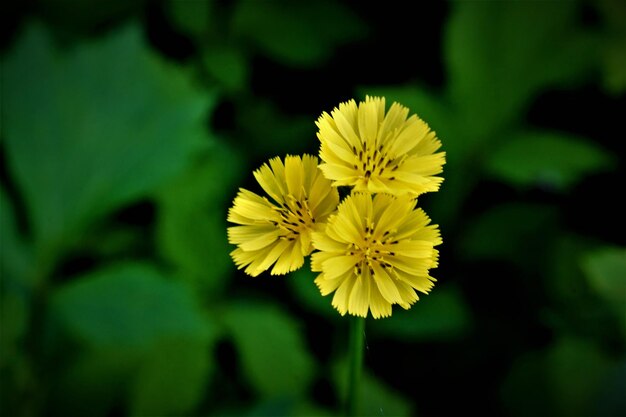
128	126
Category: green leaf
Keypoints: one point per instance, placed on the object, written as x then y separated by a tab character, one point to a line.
306	409
150	329
499	55
281	406
128	305
525	391
272	349
376	398
191	222
14	318
172	378
379	399
441	315
15	256
16	269
550	159
99	379
564	379
290	31
227	65
15	363
519	233
516	232
606	273
270	132
612	401
576	370
94	128
87	16
613	63
191	16
567	284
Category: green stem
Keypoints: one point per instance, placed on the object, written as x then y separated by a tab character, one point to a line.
357	338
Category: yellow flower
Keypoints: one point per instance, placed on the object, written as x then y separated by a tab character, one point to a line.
375	252
279	233
379	153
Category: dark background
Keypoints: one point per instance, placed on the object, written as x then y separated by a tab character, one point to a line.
128	126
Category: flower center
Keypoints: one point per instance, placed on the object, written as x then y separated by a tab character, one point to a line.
372	161
295	217
372	250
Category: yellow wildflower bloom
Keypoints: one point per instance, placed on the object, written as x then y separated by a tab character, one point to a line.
375	251
279	233
363	147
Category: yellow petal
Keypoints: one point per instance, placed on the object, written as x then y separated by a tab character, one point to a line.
338	172
394	119
318	259
392	212
327	286
358	303
266	179
346	128
294	176
323	198
309	166
413	248
240	234
378	305
375	185
412	223
252	208
411	133
341	297
429	144
284	262
407	293
386	285
368	121
424	165
338	265
413	266
339	149
260	241
422	283
321	241
429	233
265	262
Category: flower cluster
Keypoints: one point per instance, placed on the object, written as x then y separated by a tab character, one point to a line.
374	248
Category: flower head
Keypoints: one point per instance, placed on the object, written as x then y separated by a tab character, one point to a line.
279	233
375	252
363	147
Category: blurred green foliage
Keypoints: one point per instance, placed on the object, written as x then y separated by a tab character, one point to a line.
127	128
